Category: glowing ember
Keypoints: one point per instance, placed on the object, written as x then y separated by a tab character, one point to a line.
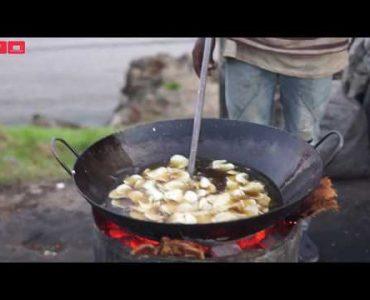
134	241
114	231
252	241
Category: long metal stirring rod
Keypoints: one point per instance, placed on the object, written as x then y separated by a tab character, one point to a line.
199	105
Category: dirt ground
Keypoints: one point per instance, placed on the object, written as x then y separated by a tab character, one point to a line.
51	222
39	222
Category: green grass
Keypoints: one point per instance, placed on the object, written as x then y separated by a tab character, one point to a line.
25	151
172	86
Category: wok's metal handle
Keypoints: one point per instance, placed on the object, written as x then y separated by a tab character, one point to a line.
55	154
336	150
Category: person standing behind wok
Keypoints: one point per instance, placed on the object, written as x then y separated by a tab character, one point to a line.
303	67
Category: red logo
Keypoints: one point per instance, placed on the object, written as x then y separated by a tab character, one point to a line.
3	47
12	47
16	47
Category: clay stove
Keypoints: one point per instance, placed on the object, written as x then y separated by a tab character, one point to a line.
279	243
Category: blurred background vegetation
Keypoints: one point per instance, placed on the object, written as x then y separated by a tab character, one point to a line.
26	156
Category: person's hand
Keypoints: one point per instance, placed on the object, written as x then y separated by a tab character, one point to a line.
198	55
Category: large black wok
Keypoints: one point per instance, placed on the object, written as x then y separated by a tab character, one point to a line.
289	166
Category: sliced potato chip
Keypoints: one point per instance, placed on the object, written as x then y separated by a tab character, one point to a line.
178	161
169	194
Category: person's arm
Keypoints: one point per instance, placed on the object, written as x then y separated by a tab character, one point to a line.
198	55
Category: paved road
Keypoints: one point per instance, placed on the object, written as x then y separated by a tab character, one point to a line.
74	79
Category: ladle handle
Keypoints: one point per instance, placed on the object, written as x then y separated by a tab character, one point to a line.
55	154
336	150
199	105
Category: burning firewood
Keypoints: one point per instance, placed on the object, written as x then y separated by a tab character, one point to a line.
145	249
323	198
181	248
170	247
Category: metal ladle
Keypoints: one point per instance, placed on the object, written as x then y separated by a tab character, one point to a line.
199	105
